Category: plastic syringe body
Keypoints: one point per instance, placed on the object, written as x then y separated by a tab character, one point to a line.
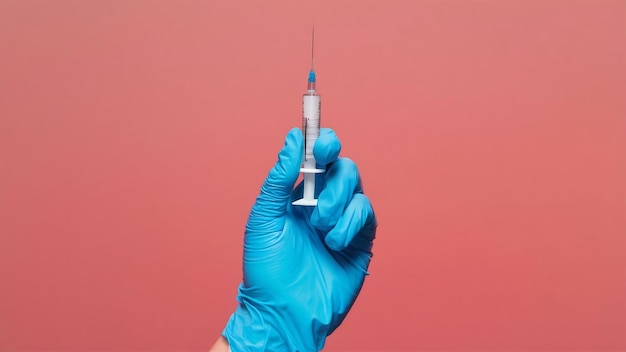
311	109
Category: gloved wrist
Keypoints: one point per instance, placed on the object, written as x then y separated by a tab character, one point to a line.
272	326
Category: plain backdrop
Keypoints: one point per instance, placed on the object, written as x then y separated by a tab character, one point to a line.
490	135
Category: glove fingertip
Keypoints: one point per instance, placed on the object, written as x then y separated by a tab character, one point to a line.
334	242
294	141
290	157
327	147
295	132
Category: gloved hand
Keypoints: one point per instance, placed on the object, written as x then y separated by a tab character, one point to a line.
303	266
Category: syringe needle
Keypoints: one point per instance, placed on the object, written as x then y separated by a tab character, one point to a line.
312	46
311	84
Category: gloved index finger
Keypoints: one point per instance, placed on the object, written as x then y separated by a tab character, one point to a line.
327	147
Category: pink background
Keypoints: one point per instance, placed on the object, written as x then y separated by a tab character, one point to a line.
491	137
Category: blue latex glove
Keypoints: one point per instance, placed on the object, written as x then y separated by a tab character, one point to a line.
303	266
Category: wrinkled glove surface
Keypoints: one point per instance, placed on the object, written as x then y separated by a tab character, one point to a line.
303	267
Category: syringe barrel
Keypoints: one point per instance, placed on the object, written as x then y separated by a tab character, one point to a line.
311	108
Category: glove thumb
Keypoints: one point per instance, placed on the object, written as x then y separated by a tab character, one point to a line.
268	212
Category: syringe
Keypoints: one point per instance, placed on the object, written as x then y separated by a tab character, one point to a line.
311	107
